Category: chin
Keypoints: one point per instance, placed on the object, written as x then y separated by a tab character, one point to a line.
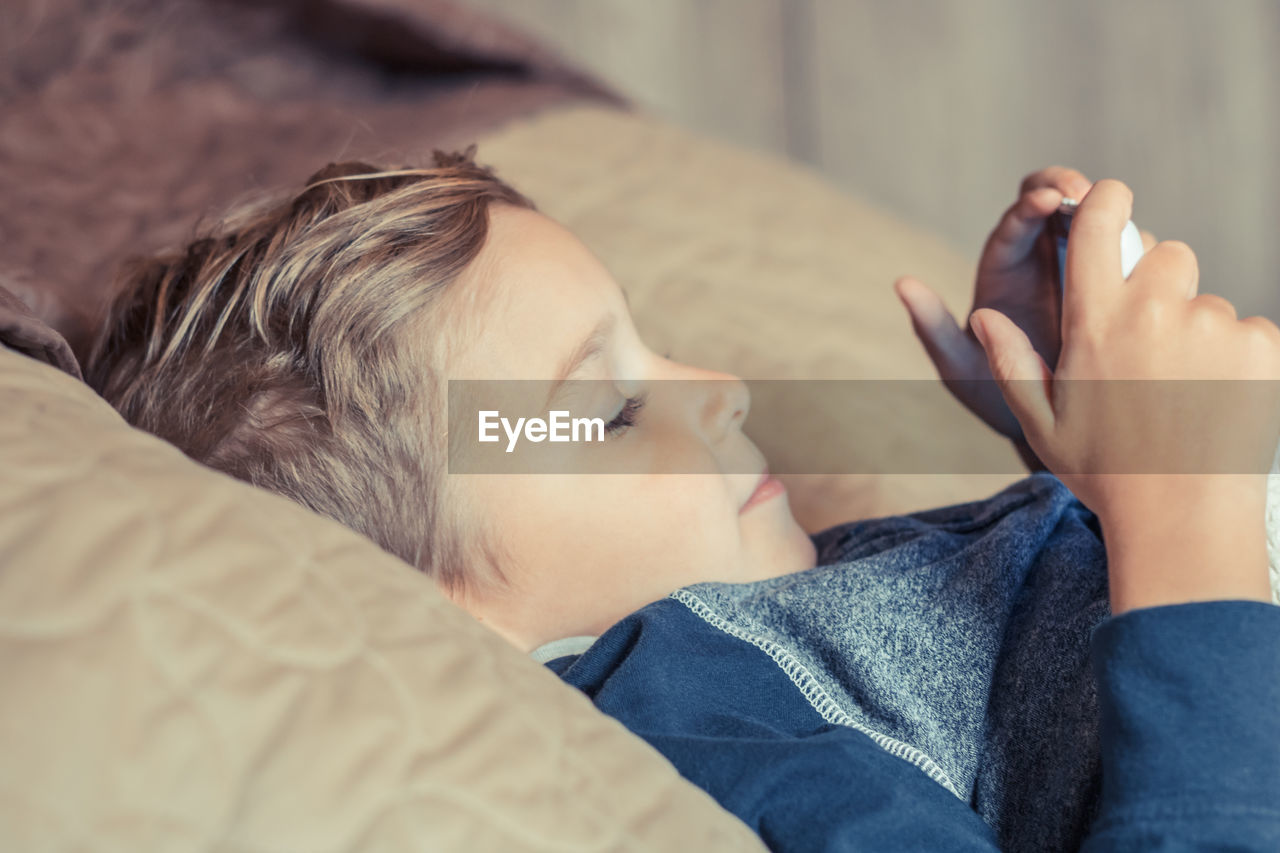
809	553
801	553
795	553
780	546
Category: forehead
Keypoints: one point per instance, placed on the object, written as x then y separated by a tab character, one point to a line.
533	292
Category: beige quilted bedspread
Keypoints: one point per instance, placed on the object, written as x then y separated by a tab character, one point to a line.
194	664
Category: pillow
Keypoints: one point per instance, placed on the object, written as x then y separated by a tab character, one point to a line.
193	663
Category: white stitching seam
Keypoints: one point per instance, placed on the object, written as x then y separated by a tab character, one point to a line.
813	693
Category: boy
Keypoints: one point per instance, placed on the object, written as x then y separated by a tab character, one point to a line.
343	310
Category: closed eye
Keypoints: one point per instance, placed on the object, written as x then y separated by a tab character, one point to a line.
628	416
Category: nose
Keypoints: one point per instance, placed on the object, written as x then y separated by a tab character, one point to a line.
727	402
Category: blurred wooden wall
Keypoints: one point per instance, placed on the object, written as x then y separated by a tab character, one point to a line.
936	109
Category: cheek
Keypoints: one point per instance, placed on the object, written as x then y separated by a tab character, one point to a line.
661	515
642	527
682	521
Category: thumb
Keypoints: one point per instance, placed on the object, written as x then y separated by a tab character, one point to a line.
936	328
1024	379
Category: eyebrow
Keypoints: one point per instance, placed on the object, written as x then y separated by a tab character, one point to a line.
591	347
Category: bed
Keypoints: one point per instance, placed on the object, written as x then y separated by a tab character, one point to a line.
194	663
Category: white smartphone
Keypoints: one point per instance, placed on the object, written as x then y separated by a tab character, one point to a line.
1060	226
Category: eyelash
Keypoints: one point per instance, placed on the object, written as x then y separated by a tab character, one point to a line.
627	417
630	411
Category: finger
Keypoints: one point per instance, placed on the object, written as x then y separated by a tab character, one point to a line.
1023	221
1214	302
1268	328
1093	277
1169	269
947	344
1070	182
1148	240
1024	379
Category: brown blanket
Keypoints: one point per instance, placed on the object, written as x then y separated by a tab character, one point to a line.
21	329
123	122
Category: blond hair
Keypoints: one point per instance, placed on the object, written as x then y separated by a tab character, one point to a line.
279	349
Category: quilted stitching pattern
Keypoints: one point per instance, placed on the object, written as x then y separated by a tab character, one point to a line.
190	663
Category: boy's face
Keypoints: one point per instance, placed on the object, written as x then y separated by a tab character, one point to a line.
589	549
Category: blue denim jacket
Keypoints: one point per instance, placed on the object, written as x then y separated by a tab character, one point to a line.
953	679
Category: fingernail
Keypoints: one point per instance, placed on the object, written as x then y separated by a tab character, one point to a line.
976	323
901	296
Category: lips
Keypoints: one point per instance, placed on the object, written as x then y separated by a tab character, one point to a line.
766	487
764	478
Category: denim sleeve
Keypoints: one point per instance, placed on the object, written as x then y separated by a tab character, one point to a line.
1189	703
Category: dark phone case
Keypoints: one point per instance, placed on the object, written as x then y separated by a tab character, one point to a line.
1059	225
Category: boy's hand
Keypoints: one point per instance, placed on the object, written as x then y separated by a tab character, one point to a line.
1017	276
1170	536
